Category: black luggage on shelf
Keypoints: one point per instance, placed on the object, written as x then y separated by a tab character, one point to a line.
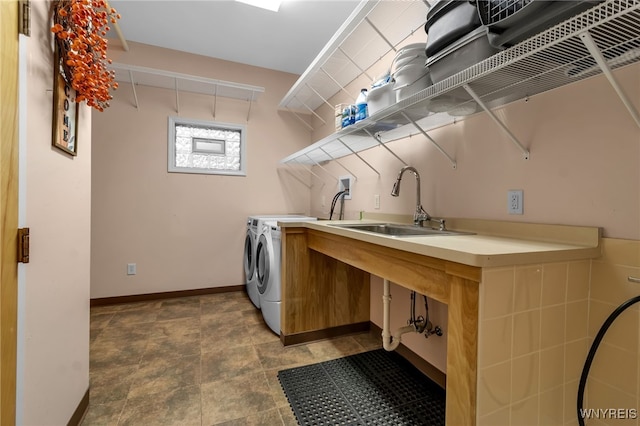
511	21
448	21
461	54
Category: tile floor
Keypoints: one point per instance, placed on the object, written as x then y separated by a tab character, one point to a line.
203	360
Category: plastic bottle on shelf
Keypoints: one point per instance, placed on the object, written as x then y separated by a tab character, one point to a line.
346	116
361	105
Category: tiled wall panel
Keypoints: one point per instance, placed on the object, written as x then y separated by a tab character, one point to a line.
533	338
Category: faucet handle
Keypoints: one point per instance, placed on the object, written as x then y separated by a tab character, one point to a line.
441	222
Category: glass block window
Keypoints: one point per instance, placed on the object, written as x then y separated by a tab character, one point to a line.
206	147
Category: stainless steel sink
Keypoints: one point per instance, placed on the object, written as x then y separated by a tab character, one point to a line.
397	230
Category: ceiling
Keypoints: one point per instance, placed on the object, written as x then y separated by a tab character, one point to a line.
287	40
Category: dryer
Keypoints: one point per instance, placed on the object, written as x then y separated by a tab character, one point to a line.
268	258
255	224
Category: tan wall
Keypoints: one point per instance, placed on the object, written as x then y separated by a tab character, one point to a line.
614	377
184	231
584	165
54	336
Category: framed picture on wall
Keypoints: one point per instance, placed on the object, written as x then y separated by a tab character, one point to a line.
65	112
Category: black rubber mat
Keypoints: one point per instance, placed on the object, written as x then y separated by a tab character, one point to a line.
371	388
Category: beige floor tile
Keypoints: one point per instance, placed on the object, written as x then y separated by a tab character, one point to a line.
179	308
100	320
274	355
276	388
369	340
196	361
214	337
93	334
110	353
288	418
172	347
253	316
334	348
126	332
261	333
235	398
165	375
177	407
216	318
121	307
106	414
230	362
224	304
175	327
111	383
265	418
137	317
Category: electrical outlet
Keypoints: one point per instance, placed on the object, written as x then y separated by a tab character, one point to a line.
346	183
376	201
131	268
515	201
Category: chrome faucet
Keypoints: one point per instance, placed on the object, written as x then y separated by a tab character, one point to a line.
420	214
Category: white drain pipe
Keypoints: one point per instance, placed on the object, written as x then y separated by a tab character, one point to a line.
391	342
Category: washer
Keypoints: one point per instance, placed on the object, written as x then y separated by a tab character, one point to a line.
268	274
255	224
268	257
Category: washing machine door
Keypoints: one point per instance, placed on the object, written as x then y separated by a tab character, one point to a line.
249	255
264	262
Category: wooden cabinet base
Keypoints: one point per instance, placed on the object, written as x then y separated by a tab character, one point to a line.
326	333
325	286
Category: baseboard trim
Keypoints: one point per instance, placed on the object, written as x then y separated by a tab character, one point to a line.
326	333
103	301
81	410
421	364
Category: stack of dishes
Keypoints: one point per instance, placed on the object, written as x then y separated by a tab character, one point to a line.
410	73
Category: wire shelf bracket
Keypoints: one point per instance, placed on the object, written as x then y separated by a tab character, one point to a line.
295	114
293	172
442	151
313	112
339	163
340	86
319	95
590	44
133	86
358	155
311	171
323	168
378	139
215	99
516	142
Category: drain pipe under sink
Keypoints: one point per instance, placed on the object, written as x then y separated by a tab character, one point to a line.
391	341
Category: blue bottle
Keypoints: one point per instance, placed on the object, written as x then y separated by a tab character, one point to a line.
346	116
361	105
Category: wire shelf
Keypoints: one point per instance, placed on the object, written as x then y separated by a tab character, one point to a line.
551	59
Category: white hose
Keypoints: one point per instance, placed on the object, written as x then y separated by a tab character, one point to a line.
391	342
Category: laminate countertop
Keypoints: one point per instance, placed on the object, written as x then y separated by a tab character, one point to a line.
493	243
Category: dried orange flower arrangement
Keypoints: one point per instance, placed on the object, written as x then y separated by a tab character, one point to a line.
79	28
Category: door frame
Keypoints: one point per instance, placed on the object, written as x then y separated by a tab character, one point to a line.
8	208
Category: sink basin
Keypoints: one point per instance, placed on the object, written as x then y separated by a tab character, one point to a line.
397	230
